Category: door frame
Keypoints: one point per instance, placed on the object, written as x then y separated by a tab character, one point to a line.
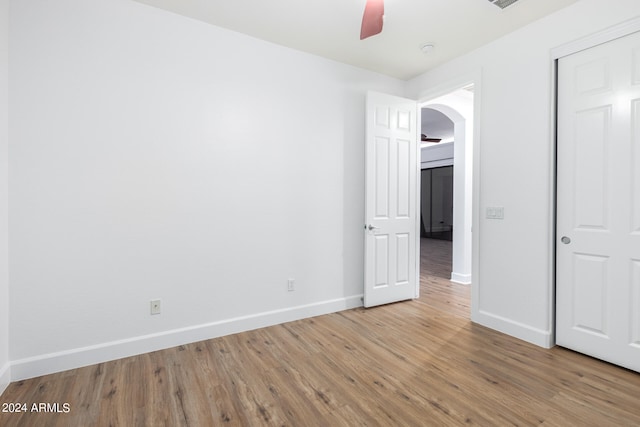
425	96
608	34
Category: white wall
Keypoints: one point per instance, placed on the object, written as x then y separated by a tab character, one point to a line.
513	286
154	156
5	375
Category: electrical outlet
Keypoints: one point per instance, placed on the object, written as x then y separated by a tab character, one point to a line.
155	306
291	285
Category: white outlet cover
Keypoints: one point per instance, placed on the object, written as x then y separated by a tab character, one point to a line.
156	306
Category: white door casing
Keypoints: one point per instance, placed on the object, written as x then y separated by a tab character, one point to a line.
391	195
598	202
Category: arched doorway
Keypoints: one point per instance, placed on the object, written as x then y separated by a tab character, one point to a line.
458	107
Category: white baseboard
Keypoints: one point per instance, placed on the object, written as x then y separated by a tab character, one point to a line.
5	377
86	356
463	279
518	330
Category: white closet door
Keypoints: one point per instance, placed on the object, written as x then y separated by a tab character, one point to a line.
598	202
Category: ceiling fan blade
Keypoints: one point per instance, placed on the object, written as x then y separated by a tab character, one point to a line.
372	18
425	138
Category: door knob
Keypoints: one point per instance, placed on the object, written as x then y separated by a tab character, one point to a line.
565	240
372	227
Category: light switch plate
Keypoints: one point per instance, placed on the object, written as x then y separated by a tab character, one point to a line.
495	212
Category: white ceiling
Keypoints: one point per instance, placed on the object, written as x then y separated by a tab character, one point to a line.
331	28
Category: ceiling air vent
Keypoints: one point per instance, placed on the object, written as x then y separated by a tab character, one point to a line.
503	3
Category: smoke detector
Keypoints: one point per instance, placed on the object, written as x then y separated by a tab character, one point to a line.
503	3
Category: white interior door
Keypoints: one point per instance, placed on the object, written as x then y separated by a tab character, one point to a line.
598	202
391	195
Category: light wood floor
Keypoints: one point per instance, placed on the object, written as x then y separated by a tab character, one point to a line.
416	363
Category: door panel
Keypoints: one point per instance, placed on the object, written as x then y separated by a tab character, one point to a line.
391	196
591	169
403	264
590	286
381	173
635	164
381	261
635	302
598	212
404	170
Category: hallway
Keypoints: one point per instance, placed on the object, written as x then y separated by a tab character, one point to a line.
436	289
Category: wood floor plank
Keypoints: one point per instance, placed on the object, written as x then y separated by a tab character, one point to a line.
415	363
